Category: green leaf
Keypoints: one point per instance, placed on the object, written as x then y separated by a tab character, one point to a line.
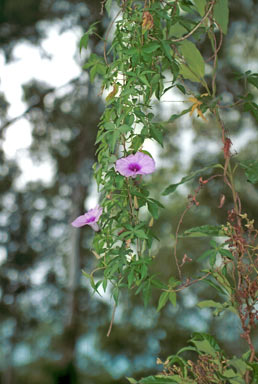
253	79
172	298
176	116
240	365
151	47
252	108
204	231
195	67
141	234
200	5
255	372
177	30
108	5
156	134
215	286
85	38
131	380
220	13
144	80
153	209
167	49
84	41
206	254
210	304
160	380
171	188
251	170
205	347
163	300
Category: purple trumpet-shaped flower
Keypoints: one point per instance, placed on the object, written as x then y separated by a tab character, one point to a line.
89	218
133	165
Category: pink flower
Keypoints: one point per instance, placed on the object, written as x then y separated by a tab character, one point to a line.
89	218
138	164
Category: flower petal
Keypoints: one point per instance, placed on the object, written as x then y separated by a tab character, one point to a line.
138	164
89	218
80	221
94	226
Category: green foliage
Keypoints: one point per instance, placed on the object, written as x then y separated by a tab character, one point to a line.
251	171
152	43
192	67
221	14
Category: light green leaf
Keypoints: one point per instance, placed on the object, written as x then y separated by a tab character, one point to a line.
172	298
220	13
131	380
204	346
210	304
161	380
108	5
204	231
200	5
194	69
177	30
240	365
163	300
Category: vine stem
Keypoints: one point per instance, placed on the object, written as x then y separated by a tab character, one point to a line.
112	321
108	32
197	26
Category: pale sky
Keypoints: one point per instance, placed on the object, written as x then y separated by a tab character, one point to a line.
28	65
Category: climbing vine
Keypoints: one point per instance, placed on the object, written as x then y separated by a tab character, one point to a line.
154	48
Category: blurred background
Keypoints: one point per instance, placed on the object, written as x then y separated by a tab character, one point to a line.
52	329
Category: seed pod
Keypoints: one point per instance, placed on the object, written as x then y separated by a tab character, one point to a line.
222	201
96	255
135	203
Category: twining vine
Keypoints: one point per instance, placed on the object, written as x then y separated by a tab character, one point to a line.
153	41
